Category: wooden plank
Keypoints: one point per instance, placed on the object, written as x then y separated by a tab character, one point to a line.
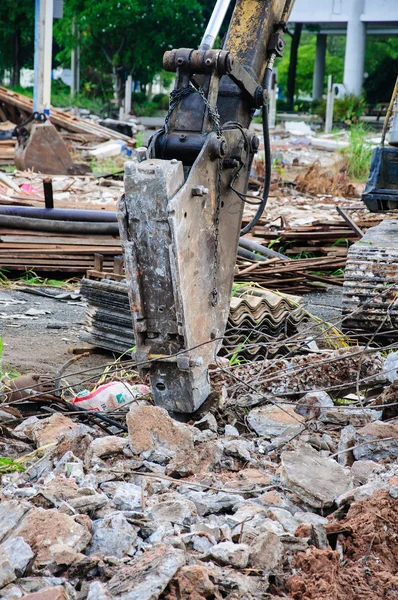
58	239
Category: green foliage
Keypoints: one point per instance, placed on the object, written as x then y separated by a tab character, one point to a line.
306	59
7	465
345	110
16	36
138	98
30	278
381	61
162	101
130	36
357	155
380	65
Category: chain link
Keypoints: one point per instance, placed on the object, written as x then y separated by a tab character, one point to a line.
214	118
175	97
214	293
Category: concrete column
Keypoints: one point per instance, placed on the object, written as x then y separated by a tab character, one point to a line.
43	54
127	96
355	49
319	67
75	64
329	106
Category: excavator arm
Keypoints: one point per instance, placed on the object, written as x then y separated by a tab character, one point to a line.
181	213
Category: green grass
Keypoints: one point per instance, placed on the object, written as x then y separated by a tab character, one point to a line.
105	166
31	278
357	155
6	370
139	138
7	465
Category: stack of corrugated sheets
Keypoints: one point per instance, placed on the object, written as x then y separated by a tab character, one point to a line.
256	323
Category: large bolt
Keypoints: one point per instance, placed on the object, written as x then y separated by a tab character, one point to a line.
218	148
255	143
199	190
141	153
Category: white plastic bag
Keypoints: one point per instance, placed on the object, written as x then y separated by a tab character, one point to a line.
109	396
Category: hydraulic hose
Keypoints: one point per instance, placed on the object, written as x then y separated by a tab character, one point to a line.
60	214
267	155
76	227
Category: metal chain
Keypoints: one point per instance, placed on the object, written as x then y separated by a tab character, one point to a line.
214	293
214	118
175	97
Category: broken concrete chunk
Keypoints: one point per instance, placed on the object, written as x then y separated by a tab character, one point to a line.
148	576
97	591
105	446
358	417
176	510
346	442
113	536
275	421
372	436
231	431
11	513
155	436
311	405
194	583
317	480
50	430
238	449
128	496
214	503
228	553
284	518
88	503
64	556
60	489
361	471
41	529
50	593
309	517
266	551
208	421
15	555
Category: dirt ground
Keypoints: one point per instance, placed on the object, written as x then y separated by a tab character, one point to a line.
42	343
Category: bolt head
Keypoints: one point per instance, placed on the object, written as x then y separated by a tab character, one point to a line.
141	153
199	190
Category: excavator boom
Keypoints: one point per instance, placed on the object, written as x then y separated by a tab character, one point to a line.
181	212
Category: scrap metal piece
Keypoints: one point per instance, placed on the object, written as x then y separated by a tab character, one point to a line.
42	149
370	302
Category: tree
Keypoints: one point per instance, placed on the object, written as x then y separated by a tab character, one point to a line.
128	36
16	37
291	77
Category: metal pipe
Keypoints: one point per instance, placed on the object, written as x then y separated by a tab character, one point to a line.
243	253
254	247
48	192
214	25
76	227
60	214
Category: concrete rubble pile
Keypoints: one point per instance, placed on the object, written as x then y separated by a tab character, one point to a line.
253	498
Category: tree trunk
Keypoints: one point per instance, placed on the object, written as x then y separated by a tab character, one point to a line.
291	78
118	85
16	68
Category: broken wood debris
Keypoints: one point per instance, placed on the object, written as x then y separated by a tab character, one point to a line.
18	107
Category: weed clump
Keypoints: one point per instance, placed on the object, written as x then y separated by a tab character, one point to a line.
356	156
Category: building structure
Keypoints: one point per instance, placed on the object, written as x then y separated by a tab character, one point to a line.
353	18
